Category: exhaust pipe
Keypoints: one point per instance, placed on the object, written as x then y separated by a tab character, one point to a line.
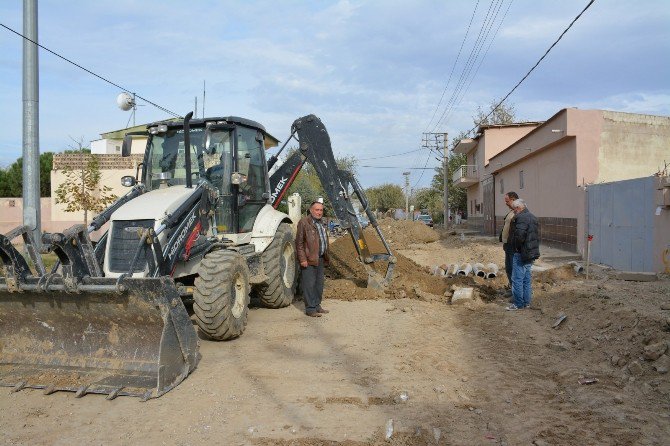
478	269
465	270
491	271
187	149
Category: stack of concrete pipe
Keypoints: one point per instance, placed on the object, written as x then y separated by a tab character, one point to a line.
488	271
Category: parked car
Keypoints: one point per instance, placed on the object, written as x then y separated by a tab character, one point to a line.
427	219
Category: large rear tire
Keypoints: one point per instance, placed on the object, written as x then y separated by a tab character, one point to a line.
280	265
221	295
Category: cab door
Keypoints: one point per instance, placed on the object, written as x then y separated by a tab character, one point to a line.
253	193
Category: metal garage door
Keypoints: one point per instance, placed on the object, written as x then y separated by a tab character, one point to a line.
620	219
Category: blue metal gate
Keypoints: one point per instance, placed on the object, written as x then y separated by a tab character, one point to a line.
620	219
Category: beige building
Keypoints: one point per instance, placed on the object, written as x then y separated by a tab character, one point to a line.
550	164
54	218
112	168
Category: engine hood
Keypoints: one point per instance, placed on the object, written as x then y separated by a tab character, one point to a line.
154	205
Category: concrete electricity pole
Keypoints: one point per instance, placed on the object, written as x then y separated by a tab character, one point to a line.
406	195
31	142
445	172
439	145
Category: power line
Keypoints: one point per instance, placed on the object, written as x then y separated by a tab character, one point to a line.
389	156
459	91
534	66
453	67
474	52
481	61
91	72
398	167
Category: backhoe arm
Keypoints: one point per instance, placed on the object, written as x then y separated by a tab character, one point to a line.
314	146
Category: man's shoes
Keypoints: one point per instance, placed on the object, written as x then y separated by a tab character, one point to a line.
322	310
512	308
313	314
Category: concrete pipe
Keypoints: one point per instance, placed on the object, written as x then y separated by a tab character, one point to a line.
453	270
465	270
491	271
578	267
478	269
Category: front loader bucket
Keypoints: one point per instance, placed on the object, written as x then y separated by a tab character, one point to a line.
132	338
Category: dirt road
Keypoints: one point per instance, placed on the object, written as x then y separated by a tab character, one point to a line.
472	374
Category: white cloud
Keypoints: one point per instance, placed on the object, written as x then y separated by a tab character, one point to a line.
373	71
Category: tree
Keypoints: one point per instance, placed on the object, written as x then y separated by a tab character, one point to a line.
81	191
11	178
430	199
385	197
504	114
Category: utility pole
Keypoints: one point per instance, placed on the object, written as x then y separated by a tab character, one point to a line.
31	141
445	172
406	194
438	142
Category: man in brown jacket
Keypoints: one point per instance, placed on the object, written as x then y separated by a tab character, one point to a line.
311	244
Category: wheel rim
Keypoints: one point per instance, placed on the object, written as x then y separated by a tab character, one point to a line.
288	265
239	296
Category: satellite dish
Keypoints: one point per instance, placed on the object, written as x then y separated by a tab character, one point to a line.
125	101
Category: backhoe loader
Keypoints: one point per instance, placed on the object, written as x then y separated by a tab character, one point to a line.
198	229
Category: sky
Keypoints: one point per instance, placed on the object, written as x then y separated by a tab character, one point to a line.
378	73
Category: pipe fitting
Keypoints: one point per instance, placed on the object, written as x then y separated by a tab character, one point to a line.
478	269
578	267
491	271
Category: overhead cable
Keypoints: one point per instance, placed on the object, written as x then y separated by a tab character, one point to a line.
389	156
176	115
534	66
489	20
467	31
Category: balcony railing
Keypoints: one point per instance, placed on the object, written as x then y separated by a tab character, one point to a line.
465	176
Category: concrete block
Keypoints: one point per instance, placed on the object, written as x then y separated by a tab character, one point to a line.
636	276
462	295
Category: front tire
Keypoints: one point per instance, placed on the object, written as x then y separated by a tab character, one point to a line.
221	295
280	265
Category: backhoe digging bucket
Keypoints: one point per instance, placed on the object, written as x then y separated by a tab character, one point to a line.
116	337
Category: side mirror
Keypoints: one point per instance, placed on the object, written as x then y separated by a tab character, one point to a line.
127	144
128	181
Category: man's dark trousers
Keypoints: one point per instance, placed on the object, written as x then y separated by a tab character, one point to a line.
509	253
311	282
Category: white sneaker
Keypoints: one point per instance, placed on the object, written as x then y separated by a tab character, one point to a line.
512	308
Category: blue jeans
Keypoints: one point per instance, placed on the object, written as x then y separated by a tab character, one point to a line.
509	252
521	290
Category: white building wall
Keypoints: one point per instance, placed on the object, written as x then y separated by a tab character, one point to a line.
106	146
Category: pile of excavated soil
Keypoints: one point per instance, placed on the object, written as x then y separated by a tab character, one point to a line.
402	233
347	277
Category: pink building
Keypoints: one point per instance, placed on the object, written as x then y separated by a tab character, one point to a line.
550	164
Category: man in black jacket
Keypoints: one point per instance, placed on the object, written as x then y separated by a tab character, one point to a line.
504	237
525	241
